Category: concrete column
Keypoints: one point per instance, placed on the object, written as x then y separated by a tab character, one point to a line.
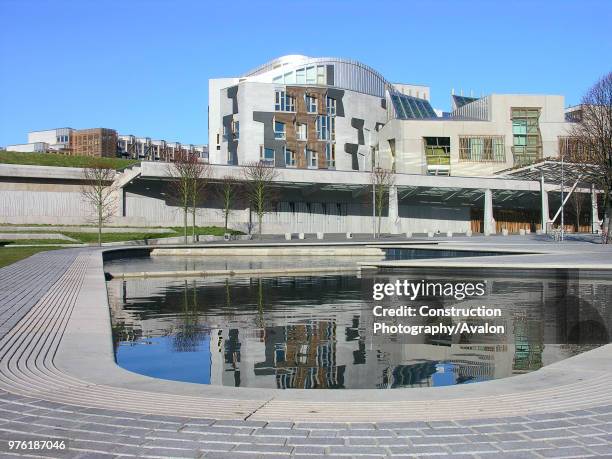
394	221
544	200
489	221
594	211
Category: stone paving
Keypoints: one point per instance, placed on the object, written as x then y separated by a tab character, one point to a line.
98	432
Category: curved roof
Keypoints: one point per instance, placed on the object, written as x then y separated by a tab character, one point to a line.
348	73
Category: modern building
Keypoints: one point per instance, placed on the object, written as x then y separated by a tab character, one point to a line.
99	142
53	140
487	165
330	113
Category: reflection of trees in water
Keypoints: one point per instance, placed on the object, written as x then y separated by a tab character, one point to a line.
124	333
188	333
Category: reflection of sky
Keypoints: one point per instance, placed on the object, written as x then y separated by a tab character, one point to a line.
319	328
157	357
444	375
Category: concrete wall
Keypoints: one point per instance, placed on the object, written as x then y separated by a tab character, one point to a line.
147	203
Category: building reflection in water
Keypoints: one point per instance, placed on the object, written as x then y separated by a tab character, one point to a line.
316	332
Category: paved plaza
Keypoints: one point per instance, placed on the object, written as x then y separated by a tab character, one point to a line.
58	379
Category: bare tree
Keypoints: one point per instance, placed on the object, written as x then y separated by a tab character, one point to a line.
187	181
199	182
577	201
382	179
228	191
98	191
591	136
259	178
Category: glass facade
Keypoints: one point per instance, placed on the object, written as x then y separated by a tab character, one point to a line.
527	141
408	107
482	149
311	74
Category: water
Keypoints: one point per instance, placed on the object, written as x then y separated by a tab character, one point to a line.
316	331
202	263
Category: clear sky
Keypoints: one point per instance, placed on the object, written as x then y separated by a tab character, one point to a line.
142	67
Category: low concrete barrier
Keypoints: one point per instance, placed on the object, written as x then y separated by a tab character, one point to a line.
237	272
269	251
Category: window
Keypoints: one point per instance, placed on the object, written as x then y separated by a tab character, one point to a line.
300	76
330	155
279	130
301	131
311	75
321	75
311	104
236	129
482	149
527	141
437	155
311	159
289	158
331	106
283	102
323	127
266	156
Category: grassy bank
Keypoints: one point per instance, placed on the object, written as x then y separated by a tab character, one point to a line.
58	160
8	242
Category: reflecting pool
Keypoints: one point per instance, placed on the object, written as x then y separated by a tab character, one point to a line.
317	331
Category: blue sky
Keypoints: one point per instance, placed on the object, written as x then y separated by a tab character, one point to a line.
142	67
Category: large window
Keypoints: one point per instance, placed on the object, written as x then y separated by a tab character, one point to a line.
483	149
301	131
236	129
266	156
330	155
311	104
311	158
279	130
437	154
527	141
331	106
290	158
283	102
326	127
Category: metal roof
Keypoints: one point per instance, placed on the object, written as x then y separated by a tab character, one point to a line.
553	170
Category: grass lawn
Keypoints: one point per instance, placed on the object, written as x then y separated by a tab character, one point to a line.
9	255
5	242
205	231
92	238
89	238
58	160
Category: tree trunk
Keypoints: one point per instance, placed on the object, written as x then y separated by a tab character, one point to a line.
226	216
193	218
259	219
609	221
185	224
99	229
